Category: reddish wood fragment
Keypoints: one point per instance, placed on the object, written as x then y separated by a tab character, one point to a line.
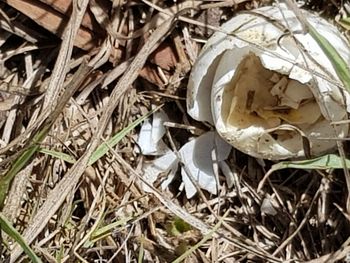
150	74
165	57
54	21
64	7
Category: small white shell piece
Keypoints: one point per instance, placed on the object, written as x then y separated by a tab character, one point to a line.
150	138
196	156
268	88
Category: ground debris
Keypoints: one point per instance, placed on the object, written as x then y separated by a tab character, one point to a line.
116	63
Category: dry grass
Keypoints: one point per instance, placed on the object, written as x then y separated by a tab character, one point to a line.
128	58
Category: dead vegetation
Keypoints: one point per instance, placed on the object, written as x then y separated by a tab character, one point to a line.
75	74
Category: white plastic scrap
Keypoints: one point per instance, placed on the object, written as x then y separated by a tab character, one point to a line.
261	101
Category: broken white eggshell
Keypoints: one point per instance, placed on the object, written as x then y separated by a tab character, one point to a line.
165	165
150	137
196	156
261	101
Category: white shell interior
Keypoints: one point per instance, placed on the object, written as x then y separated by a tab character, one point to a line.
256	87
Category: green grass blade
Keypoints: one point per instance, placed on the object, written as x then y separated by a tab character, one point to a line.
328	161
28	154
345	22
200	243
13	233
62	156
19	164
325	162
75	83
340	65
110	227
60	254
104	147
141	251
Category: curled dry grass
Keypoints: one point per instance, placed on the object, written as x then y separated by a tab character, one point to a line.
59	103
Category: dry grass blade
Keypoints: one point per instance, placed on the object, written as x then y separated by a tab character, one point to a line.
60	192
58	76
13	202
206	237
17	28
237	241
43	130
62	62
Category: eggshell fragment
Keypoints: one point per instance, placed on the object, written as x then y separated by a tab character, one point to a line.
150	136
196	156
198	162
262	79
166	165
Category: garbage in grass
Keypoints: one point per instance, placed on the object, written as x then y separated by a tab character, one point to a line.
267	89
